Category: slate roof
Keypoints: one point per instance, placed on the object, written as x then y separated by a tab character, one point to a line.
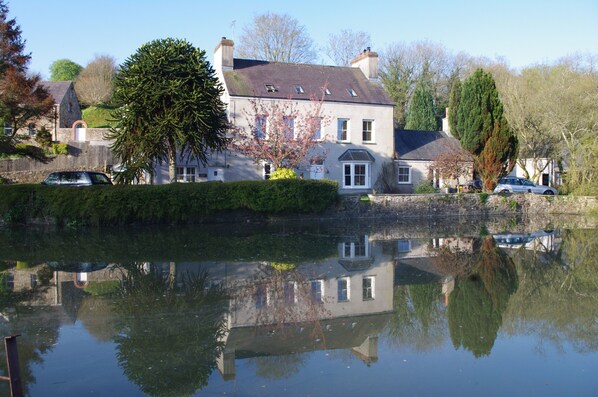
423	145
57	89
250	77
356	155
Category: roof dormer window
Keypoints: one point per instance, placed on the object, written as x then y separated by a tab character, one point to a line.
299	89
327	91
352	92
271	88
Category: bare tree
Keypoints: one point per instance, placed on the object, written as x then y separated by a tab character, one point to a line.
96	82
343	47
403	65
277	38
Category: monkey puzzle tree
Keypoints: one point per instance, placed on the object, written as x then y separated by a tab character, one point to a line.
483	129
169	108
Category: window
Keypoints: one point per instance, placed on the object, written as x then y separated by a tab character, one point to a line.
10	282
271	88
343	130
316	126
356	175
404	245
367	287
260	126
31	129
327	91
299	89
289	293
289	127
267	170
404	174
317	290
33	280
185	174
343	293
367	130
7	129
261	297
357	248
352	92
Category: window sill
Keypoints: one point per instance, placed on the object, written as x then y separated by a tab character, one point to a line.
369	143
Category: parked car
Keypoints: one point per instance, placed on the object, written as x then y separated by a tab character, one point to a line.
513	184
77	178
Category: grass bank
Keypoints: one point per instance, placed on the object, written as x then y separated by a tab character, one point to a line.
167	204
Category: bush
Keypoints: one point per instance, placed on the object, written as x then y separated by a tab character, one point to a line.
283	173
60	148
99	116
425	188
174	203
43	137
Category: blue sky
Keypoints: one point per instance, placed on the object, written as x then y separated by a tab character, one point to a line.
523	32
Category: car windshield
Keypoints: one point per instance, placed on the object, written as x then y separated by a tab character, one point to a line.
527	183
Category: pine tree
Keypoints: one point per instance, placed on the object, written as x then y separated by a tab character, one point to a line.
422	115
483	129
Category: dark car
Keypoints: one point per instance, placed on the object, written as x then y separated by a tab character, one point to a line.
472	186
77	178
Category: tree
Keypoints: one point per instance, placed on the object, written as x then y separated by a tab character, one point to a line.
422	114
454	102
280	133
343	47
277	38
22	98
169	108
483	129
95	83
402	66
64	70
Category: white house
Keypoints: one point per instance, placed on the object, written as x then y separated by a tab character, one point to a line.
358	139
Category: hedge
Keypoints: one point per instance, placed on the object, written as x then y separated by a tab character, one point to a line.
174	203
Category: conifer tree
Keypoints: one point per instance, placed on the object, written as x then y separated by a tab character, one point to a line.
454	101
483	129
422	115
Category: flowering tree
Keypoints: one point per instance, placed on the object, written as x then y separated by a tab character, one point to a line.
452	164
282	133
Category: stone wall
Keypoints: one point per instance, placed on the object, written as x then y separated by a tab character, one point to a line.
467	204
82	156
95	135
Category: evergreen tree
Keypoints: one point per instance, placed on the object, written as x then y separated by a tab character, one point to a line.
454	102
169	108
421	114
483	129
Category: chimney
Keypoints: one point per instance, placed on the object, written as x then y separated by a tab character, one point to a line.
223	55
367	61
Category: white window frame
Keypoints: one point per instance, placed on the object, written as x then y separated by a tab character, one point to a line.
353	249
347	281
371	130
339	130
403	246
317	297
188	174
316	171
7	129
352	175
261	126
408	175
368	293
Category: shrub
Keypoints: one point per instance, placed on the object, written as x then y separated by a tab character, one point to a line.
43	137
283	173
34	152
174	203
60	148
483	197
99	116
425	188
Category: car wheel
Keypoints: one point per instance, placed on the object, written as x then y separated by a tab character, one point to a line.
504	192
548	193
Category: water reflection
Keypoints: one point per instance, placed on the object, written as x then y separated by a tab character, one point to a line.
265	299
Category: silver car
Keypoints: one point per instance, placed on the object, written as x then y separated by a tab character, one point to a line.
512	184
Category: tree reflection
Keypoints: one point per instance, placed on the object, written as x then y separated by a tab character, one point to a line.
557	298
480	298
169	332
418	318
